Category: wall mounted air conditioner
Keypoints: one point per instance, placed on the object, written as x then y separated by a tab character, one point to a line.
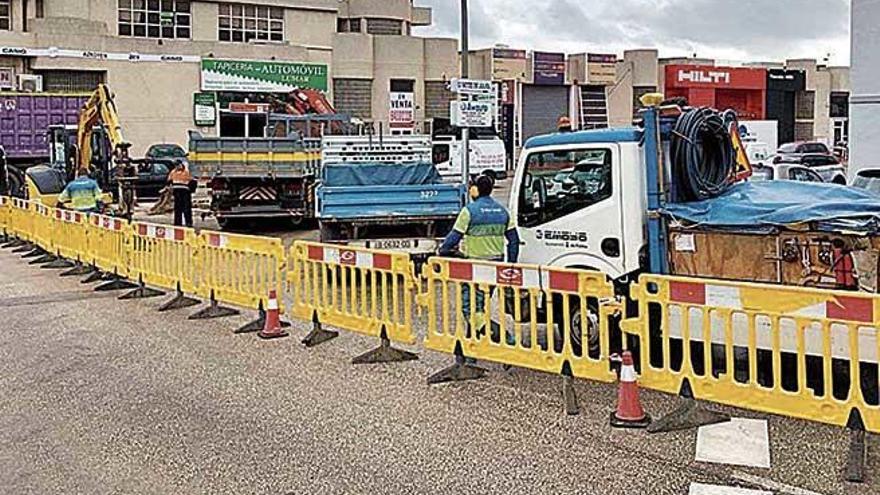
30	83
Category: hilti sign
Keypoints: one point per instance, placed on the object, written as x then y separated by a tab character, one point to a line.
704	76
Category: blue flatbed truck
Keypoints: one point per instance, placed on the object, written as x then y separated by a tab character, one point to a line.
384	194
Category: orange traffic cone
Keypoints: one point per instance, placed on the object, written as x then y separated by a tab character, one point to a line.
272	329
629	413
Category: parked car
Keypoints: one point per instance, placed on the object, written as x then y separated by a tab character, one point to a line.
784	171
152	176
804	148
824	164
166	150
868	179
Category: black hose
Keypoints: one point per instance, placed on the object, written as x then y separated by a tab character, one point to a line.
702	154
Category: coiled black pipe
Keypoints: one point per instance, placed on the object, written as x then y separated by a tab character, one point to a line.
702	154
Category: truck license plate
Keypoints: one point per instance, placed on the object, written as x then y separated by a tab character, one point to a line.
392	244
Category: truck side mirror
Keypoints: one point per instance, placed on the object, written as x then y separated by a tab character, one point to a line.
527	180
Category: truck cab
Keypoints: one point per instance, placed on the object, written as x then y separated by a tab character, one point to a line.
579	200
486	151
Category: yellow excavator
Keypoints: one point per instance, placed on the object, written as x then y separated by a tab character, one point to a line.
95	146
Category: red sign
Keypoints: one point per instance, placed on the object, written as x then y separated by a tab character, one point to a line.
240	107
509	275
703	76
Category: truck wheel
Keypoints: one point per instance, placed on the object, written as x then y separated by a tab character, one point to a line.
592	330
839	180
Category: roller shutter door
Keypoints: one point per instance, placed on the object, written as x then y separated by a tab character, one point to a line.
353	97
541	108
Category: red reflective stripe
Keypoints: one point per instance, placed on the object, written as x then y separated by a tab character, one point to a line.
117	225
58	214
179	234
78	217
850	309
687	292
214	240
142	229
382	261
347	257
564	281
316	253
461	271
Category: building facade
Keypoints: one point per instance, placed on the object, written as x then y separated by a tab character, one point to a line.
160	57
807	100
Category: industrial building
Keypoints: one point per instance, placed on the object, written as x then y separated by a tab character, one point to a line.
807	99
161	56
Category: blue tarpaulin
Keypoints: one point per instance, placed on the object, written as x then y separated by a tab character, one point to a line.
781	203
379	174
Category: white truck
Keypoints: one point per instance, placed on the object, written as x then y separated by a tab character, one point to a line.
487	155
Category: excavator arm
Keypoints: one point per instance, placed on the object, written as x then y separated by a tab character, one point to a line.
99	109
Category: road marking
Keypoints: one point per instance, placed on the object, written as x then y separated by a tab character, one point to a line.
740	441
769	484
704	489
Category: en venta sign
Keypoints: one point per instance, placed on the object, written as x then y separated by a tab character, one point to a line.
262	77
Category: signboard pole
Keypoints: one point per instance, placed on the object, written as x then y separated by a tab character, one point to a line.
465	56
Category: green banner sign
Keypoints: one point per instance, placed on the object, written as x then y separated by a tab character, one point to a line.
205	109
265	77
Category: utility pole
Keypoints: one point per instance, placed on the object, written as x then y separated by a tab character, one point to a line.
465	56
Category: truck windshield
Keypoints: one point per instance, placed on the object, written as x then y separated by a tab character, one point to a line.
558	183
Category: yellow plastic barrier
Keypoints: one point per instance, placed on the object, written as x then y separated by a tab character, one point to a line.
108	244
520	315
43	226
71	234
5	212
239	269
20	219
355	289
793	351
163	256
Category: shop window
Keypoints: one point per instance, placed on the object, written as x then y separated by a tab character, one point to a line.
353	97
155	18
384	26
243	23
803	131
839	104
348	25
437	98
73	81
805	105
5	15
559	183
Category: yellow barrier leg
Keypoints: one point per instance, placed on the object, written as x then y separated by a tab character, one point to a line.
384	353
688	415
179	301
318	335
459	371
858	450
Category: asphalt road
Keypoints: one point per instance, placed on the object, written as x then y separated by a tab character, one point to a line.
105	396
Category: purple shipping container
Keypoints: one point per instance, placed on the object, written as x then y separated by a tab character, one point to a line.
25	118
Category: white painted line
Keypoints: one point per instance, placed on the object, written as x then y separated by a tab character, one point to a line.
780	488
703	489
742	442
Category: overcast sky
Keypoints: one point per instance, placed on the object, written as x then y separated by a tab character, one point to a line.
734	30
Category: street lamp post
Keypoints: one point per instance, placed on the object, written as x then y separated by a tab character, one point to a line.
465	56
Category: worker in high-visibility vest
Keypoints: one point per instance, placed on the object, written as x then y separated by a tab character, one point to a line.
481	229
82	194
182	188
